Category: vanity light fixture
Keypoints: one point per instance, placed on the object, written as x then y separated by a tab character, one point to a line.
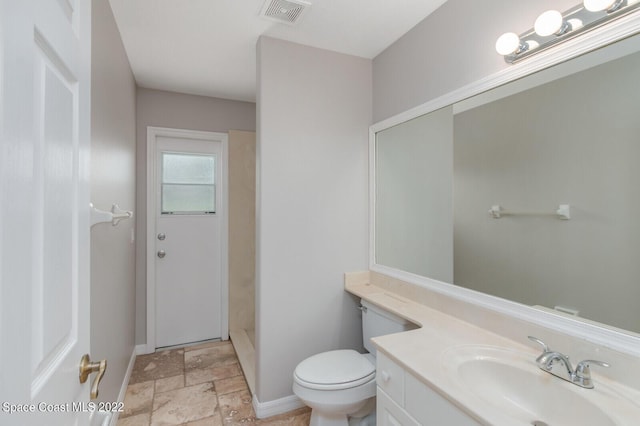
551	22
553	27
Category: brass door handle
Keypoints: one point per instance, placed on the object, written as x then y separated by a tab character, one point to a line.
87	367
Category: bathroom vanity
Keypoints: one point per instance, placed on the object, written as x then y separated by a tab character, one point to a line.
404	399
468	372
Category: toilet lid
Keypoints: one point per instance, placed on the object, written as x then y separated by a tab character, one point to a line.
340	369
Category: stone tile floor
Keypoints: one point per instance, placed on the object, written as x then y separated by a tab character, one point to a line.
198	385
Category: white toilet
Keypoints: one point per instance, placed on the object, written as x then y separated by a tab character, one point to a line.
340	386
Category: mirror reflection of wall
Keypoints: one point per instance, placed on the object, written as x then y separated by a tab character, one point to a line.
574	140
414	211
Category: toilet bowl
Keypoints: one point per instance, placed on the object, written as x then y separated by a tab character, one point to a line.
340	386
336	385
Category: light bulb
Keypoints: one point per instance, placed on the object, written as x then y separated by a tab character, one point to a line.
550	22
507	43
598	5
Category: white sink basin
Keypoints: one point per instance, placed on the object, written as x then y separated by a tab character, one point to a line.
521	393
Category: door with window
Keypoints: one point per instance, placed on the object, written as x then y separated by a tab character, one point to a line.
189	237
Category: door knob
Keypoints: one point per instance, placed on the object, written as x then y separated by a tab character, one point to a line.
161	254
161	236
87	367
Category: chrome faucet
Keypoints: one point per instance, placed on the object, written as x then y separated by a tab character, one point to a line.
581	376
548	359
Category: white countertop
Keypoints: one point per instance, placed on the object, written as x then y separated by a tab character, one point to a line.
420	352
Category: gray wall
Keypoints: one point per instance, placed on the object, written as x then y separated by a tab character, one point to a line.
174	110
113	149
314	108
452	47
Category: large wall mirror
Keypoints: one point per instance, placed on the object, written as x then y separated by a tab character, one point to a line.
470	193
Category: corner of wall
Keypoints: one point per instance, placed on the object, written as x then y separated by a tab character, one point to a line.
312	205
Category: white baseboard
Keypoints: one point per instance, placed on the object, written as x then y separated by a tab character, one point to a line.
275	407
125	381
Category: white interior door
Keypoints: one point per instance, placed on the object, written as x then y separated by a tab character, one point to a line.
189	239
44	227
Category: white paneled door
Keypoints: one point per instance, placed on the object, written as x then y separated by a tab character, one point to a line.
188	242
45	51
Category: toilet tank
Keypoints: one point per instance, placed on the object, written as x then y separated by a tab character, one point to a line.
378	322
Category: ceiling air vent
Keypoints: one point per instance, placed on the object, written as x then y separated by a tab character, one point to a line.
284	11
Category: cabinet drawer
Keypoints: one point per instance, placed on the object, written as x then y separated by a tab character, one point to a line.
390	378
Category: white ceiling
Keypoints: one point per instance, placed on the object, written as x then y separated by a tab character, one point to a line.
208	47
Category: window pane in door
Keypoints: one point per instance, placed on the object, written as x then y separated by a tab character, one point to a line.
188	183
188	198
188	168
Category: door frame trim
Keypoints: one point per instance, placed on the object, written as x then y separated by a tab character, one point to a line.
152	133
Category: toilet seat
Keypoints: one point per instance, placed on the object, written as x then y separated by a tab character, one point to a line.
335	370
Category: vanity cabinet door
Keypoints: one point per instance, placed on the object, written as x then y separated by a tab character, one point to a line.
388	413
404	400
